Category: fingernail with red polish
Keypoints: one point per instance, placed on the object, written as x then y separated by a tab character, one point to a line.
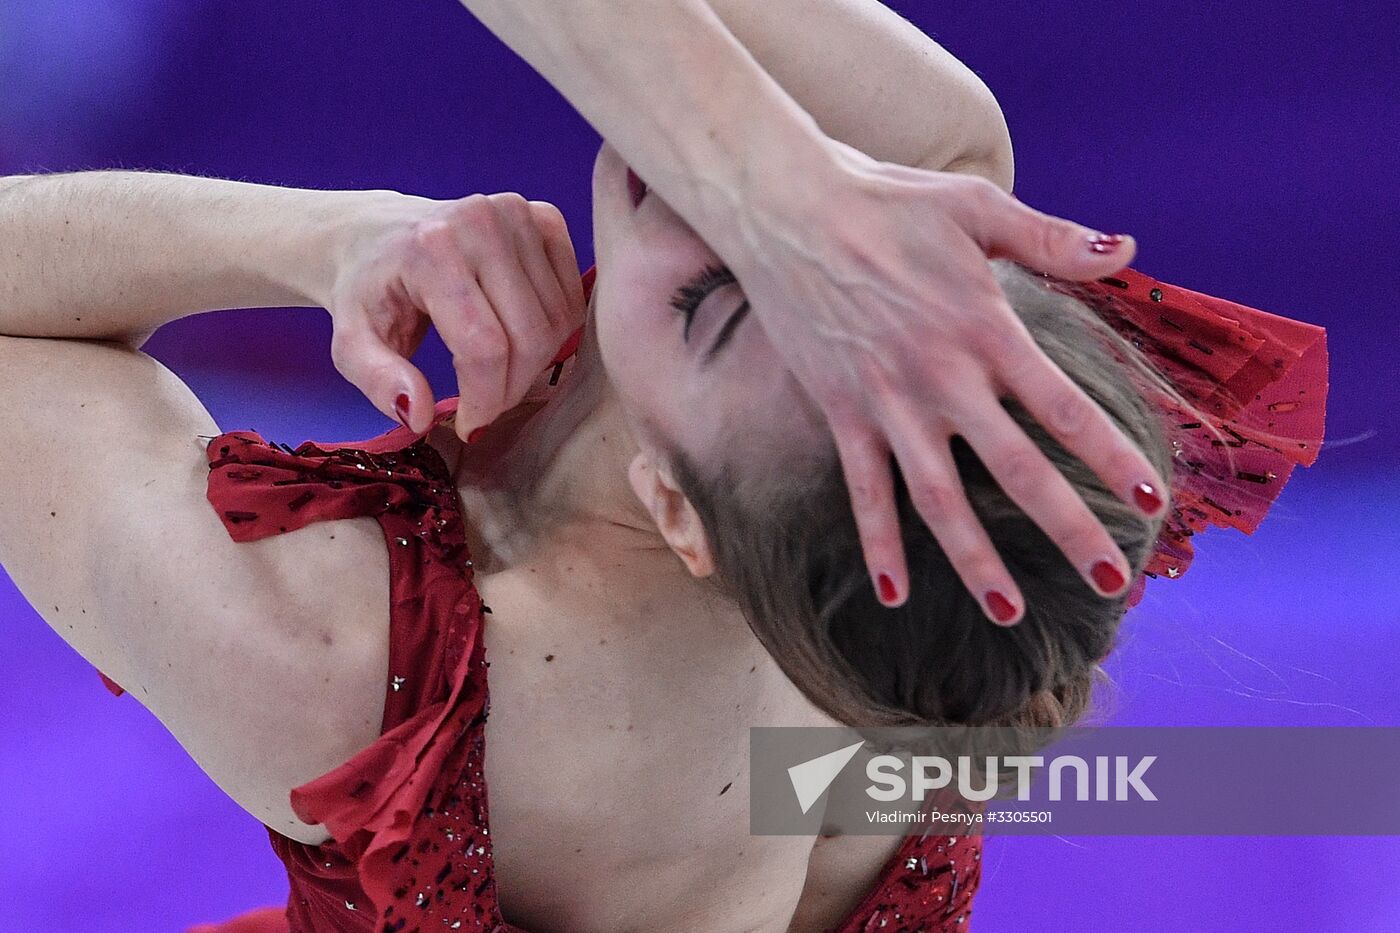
401	408
1145	494
475	435
888	593
1108	578
1002	608
1105	242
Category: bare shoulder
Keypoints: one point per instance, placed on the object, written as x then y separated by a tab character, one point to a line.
265	659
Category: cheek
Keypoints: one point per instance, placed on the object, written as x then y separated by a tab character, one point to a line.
755	409
638	334
745	408
641	349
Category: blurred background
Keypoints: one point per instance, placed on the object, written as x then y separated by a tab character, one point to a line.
1252	149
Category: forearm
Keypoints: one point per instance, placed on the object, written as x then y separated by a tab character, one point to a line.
875	81
113	255
673	90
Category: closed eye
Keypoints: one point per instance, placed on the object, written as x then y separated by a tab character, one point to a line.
689	296
727	331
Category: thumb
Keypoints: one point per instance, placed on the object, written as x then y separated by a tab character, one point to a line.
1060	247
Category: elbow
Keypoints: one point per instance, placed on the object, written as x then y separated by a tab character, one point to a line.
992	156
1000	161
984	148
997	167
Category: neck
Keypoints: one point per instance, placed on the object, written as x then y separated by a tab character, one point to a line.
565	471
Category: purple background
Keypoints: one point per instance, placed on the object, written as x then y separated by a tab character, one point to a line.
1251	148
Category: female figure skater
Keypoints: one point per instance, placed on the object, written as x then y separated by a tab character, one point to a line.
659	532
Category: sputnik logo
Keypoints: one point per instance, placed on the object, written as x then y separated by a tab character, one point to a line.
810	779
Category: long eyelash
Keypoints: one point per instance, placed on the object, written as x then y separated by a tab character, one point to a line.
689	295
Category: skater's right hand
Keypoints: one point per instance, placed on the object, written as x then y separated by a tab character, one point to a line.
495	274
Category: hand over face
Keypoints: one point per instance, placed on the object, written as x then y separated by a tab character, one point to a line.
495	274
891	319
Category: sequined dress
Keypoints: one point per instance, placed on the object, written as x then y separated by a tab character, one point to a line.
408	814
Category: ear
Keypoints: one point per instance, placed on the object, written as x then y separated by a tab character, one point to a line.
675	517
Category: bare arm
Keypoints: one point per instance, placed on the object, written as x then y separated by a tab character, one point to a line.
106	531
105	526
712	103
876	82
676	93
113	255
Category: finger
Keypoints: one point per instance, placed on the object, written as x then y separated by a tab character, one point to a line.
543	279
559	247
865	464
926	460
445	287
392	384
520	311
471	330
1084	428
1028	477
466	314
1005	227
